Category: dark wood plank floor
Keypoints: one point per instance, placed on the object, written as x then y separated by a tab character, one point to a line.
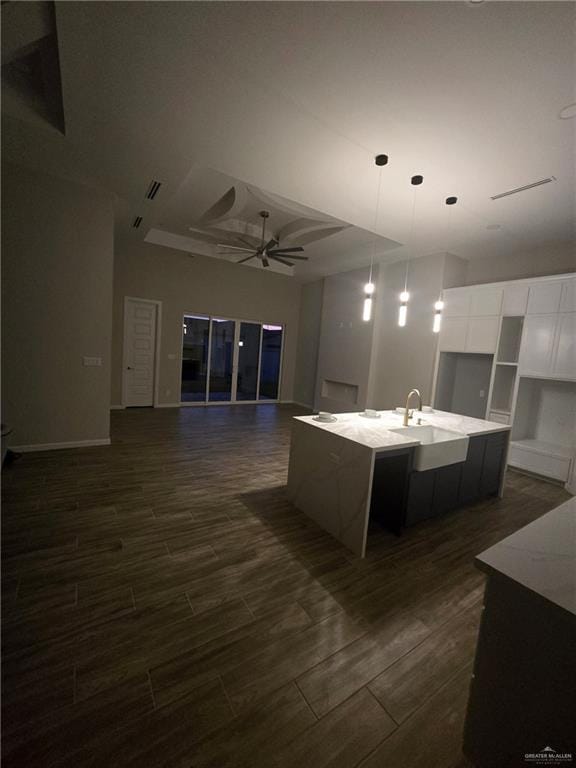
164	605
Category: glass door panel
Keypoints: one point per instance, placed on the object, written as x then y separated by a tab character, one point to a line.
248	355
270	362
195	335
221	360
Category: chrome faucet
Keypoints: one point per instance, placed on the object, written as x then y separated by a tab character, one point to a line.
407	413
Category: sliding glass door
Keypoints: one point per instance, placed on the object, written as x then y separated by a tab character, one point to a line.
270	362
221	360
248	361
229	361
195	336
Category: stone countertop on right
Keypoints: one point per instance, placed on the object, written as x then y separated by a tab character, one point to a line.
540	557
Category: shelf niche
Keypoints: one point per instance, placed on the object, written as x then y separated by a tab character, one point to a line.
503	389
463	383
545	412
510	338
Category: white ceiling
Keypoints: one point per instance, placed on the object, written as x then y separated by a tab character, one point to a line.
297	98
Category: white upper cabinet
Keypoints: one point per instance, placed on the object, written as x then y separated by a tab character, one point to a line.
544	298
482	334
485	301
568	298
469	334
537	345
565	356
515	300
453	334
456	302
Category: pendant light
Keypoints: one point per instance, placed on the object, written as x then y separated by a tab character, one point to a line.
439	305
369	288
416	181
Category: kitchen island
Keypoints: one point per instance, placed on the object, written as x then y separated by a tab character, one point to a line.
523	688
345	471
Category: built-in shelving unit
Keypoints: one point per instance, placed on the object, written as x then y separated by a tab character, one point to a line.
506	369
543	436
507	352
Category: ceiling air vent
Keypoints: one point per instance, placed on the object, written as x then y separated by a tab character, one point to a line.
137	221
153	189
524	188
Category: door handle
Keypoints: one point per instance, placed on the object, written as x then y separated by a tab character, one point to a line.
129	368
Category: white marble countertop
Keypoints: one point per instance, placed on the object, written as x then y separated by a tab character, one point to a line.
376	434
540	557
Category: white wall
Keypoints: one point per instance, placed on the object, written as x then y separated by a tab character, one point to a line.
554	259
381	359
309	327
345	352
202	285
57	249
404	357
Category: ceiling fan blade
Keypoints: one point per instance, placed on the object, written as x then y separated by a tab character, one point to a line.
265	261
288	255
247	242
281	260
247	258
270	244
290	250
235	247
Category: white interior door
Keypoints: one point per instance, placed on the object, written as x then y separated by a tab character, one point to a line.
140	320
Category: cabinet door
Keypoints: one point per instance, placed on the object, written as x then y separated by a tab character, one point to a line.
515	300
453	334
485	301
544	298
472	471
568	299
537	344
420	495
492	465
456	302
446	488
482	334
565	357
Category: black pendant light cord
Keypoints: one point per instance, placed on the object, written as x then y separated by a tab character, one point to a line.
376	212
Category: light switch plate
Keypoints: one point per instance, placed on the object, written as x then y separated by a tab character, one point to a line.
92	361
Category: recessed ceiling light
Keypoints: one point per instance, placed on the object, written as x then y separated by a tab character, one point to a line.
475	2
568	112
494	226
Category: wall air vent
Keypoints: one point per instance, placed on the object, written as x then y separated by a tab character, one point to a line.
153	189
137	221
524	188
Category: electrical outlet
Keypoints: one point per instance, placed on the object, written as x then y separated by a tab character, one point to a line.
482	393
92	361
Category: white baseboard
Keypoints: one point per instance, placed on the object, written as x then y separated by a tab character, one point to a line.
167	405
59	446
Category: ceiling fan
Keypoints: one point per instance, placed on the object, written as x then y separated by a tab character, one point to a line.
268	250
